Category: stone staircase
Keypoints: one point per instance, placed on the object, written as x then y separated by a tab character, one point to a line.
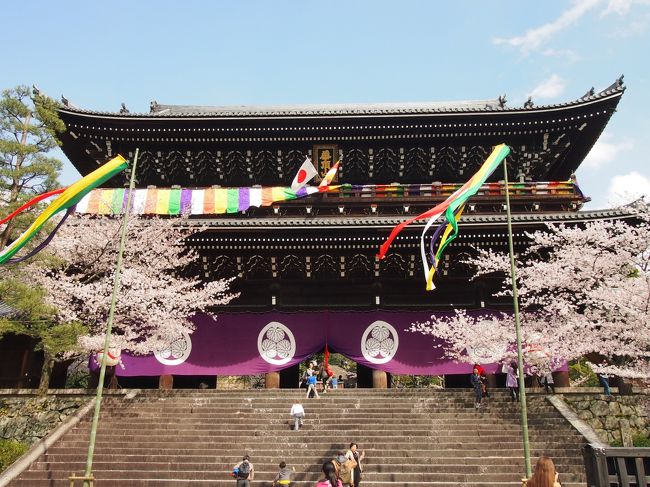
411	437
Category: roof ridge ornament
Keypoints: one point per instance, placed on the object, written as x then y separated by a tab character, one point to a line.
65	101
153	106
529	103
616	85
502	101
591	92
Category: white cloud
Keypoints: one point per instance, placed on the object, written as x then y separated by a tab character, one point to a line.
606	150
533	39
549	88
569	55
627	188
621	7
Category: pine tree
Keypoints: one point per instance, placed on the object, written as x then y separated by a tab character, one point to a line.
28	127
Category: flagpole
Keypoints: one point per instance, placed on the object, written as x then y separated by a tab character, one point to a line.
109	326
520	359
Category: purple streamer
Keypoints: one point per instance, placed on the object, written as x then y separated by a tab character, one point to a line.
45	242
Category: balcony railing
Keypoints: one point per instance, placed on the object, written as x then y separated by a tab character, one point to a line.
617	467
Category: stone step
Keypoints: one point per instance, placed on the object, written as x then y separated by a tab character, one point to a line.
460	416
261	483
378	464
236	425
452	451
217	465
415	438
470	442
368	477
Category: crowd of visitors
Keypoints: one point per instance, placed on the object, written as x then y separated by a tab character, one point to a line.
344	470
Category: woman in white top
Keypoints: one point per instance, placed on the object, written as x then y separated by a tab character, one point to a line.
354	454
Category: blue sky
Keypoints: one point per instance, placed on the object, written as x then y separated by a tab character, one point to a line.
100	54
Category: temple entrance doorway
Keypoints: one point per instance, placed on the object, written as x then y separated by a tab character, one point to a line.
348	373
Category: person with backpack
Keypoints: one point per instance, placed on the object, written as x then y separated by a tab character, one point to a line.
344	468
244	472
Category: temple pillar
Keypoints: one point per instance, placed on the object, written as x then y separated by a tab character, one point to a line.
379	379
272	380
491	380
561	378
166	382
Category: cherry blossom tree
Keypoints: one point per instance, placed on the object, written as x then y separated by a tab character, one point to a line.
158	293
584	291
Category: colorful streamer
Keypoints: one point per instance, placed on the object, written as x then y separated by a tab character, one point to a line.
31	203
329	177
452	209
210	201
67	199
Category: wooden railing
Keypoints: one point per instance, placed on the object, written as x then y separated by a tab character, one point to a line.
616	467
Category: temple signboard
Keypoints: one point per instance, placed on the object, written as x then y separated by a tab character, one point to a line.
324	157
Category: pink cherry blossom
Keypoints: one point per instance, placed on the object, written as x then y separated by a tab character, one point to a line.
160	286
583	291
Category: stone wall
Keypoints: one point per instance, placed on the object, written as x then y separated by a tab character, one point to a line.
612	416
28	418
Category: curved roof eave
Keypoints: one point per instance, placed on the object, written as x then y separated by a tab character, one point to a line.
379	222
354	111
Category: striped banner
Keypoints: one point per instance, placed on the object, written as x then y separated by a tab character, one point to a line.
207	201
216	201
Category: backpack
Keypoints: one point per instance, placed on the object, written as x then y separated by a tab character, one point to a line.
244	470
345	471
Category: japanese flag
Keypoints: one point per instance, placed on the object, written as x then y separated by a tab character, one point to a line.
306	172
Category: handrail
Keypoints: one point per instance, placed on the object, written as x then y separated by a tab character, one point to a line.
616	466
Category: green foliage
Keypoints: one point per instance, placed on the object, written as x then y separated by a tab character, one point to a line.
581	375
417	381
35	318
28	127
638	441
10	451
79	379
641	441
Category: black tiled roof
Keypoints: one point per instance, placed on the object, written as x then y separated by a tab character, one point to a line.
409	108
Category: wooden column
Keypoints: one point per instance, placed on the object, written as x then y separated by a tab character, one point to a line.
272	380
379	379
491	380
561	379
166	382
